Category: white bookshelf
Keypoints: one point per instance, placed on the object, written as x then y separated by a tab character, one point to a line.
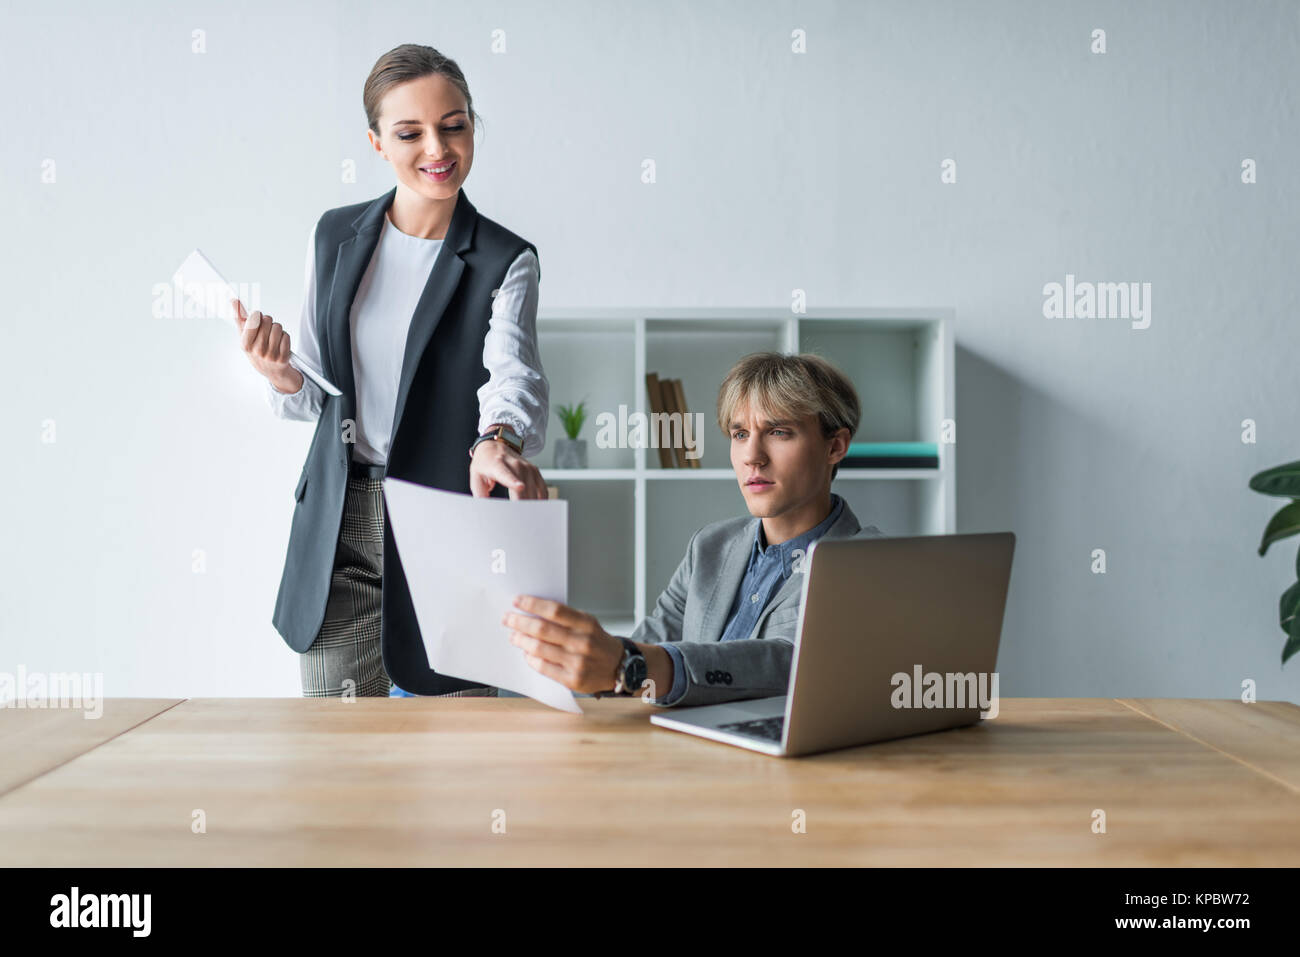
630	519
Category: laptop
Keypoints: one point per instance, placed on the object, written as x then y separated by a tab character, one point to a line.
896	637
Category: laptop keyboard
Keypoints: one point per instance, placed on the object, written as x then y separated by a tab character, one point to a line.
766	728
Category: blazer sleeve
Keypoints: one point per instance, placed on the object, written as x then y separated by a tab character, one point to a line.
718	671
712	671
305	404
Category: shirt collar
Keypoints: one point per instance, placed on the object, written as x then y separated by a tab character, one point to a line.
785	550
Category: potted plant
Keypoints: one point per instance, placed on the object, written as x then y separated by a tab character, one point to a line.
1284	480
571	452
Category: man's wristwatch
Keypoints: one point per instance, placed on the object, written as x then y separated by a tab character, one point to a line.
502	433
631	670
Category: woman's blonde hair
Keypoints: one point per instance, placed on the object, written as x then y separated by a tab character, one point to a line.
777	386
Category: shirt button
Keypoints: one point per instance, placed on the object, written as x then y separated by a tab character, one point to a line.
754	597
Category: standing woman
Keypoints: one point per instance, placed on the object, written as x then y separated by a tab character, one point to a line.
423	314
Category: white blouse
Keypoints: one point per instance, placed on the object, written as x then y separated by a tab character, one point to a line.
516	392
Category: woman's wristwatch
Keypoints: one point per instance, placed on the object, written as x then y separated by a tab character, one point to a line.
502	433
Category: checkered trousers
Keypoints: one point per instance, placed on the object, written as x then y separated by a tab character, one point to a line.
347	648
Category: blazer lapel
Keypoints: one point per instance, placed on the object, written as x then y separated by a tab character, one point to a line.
735	561
354	254
443	280
350	264
846	526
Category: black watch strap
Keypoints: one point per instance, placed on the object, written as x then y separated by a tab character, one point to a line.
513	440
630	651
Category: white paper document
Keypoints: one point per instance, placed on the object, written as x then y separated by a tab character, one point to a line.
465	560
207	293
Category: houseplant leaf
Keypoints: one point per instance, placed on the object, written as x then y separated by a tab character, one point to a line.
1282	525
1279	480
1288	607
1293	643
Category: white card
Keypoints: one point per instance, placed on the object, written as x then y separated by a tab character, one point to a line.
205	291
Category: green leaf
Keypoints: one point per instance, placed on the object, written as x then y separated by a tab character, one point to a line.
1282	525
1279	480
1293	643
572	417
1288	607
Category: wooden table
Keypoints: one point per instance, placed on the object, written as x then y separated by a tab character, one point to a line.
484	781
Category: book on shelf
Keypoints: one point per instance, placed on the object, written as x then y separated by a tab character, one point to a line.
679	403
891	455
666	397
655	393
670	406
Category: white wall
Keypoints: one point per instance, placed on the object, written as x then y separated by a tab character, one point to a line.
776	171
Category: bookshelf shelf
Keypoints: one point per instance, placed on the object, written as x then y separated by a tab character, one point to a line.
630	519
587	475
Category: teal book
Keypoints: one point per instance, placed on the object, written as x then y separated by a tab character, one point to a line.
892	449
885	455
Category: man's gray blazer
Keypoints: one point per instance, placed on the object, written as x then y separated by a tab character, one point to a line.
693	612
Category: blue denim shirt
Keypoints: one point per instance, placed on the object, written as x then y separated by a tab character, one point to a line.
769	568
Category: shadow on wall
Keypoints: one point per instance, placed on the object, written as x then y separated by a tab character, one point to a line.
1029	463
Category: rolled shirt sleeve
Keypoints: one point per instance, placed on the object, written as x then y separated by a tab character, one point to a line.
678	689
305	404
516	393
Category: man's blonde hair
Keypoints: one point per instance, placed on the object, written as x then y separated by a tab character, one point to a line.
778	386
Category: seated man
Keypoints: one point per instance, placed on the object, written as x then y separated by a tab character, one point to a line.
724	627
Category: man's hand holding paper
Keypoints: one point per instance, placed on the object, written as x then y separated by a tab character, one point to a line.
465	560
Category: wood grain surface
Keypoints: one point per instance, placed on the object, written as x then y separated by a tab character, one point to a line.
507	781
